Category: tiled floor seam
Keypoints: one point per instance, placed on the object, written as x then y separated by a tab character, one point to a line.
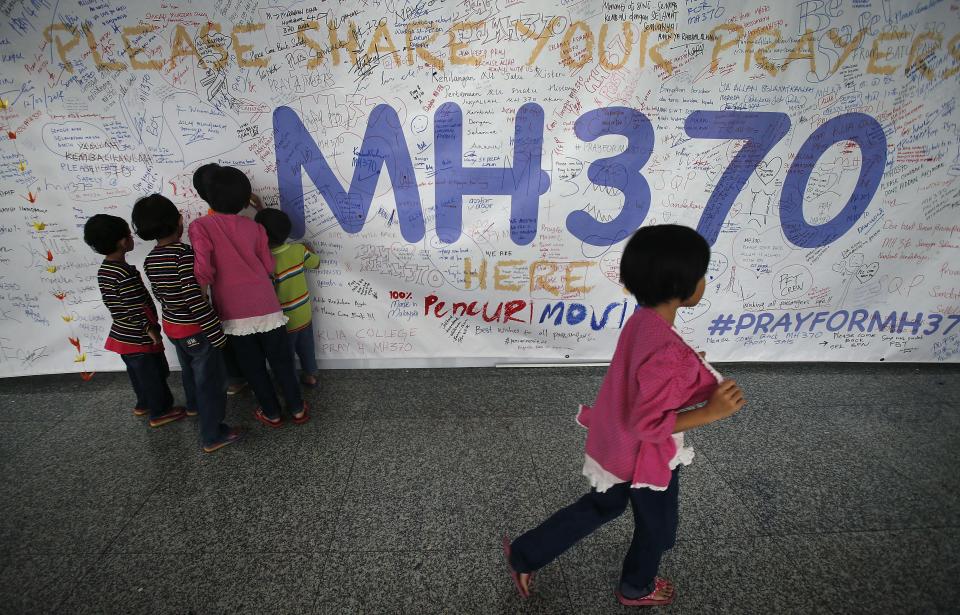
886	530
38	437
106	550
524	436
723	479
336	518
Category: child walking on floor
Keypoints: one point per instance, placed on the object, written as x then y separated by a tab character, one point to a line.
135	332
635	429
292	259
188	319
234	259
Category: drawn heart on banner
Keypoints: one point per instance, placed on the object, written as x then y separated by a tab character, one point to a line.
717	267
695	312
713	173
866	272
820	183
610	266
767	171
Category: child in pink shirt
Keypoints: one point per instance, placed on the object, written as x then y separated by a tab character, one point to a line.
635	429
233	258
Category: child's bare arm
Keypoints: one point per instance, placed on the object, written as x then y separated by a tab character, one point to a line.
726	400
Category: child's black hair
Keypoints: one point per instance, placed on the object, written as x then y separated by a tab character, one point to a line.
201	179
664	262
103	232
155	217
276	223
228	190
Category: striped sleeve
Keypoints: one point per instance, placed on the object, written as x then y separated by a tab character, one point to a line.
171	272
124	295
310	260
194	300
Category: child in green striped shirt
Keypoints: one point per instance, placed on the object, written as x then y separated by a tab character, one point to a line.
292	260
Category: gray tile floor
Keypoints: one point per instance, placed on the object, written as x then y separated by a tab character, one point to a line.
836	490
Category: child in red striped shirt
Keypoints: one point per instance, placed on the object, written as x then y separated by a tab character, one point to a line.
188	318
135	332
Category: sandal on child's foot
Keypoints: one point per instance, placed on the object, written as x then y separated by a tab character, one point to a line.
521	580
190	412
140	412
229	439
266	420
175	414
662	595
303	416
235	388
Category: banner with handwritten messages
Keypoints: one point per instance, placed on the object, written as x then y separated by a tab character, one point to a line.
469	170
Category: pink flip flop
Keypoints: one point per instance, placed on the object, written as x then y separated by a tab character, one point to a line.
263	418
649	600
513	573
304	415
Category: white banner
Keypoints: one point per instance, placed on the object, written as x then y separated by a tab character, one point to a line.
470	170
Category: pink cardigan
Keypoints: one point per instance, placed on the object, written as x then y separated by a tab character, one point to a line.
233	257
653	374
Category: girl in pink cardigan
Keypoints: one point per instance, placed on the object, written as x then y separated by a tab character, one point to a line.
234	260
635	428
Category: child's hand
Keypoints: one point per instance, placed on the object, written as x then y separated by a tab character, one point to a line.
726	400
256	202
154	335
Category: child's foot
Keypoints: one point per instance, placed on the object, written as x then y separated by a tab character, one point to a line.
521	580
266	420
229	439
662	595
190	412
140	412
235	388
303	416
175	414
308	380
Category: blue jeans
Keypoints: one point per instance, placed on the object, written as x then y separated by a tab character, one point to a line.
253	351
234	375
148	373
655	516
204	384
302	342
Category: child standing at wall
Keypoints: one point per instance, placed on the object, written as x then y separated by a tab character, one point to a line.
135	332
234	259
188	319
635	429
201	179
292	259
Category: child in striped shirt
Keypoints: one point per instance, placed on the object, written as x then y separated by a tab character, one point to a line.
292	260
188	318
134	334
